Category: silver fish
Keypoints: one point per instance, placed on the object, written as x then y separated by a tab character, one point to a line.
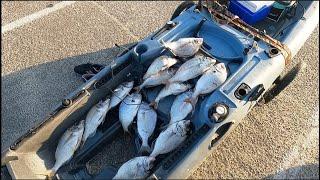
171	138
170	89
184	47
120	93
94	118
192	68
161	78
136	168
146	122
209	81
180	108
160	64
128	109
68	144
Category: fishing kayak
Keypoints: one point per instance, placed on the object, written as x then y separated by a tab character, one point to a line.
255	56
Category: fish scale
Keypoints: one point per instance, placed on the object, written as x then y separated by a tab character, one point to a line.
184	47
136	168
180	109
94	118
209	81
128	109
171	138
159	64
67	145
192	68
161	78
120	93
171	89
146	123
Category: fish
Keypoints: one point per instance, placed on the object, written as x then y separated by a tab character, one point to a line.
67	146
171	138
170	89
120	93
184	47
161	78
146	123
136	168
94	118
160	64
180	108
209	81
128	110
192	68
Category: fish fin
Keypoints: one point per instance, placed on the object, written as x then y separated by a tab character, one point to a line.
162	128
137	89
167	82
191	101
49	174
127	133
145	76
68	138
144	148
82	144
154	105
164	67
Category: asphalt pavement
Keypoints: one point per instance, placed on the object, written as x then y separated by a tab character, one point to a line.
276	140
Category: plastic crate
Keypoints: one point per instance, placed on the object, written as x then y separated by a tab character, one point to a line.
246	15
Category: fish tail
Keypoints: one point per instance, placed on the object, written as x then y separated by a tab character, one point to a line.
153	154
126	132
138	88
49	174
144	148
167	82
154	104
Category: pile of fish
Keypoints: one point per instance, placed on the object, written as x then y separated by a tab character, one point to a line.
132	106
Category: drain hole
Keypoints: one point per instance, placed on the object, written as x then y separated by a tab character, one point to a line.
274	51
242	92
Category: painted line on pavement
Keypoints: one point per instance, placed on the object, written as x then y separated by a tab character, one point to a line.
27	19
298	153
116	21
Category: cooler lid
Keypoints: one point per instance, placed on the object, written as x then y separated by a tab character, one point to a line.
255	6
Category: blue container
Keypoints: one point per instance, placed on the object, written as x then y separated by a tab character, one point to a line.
246	15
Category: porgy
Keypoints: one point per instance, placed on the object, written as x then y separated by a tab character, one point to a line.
184	47
120	93
128	110
180	108
146	122
192	68
171	138
136	168
94	118
160	64
161	78
209	81
170	89
67	146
